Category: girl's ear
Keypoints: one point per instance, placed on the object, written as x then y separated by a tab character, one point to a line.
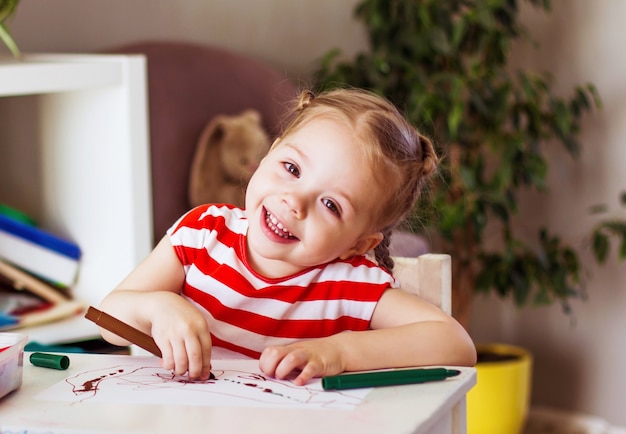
363	245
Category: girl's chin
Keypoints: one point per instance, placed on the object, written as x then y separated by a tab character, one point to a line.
272	267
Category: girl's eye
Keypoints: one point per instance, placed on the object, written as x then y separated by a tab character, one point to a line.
293	169
332	206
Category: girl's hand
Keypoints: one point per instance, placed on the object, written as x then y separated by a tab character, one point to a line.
405	331
148	298
313	358
182	334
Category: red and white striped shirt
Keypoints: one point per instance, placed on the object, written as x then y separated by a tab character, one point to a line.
245	311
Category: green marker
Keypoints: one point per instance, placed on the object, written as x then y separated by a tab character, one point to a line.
52	361
387	378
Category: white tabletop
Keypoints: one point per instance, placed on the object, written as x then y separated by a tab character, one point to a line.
410	408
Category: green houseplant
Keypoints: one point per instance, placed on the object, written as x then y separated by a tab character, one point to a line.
7	9
446	64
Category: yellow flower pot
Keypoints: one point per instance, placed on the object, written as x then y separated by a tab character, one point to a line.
499	402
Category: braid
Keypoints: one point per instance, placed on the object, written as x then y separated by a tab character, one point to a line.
381	251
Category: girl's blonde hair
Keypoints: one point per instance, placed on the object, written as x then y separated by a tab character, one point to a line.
401	157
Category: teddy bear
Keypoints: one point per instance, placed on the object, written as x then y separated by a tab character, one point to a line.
228	152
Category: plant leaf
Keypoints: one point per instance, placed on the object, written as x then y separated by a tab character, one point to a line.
9	42
600	246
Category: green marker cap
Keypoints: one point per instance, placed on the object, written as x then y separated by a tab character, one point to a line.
53	361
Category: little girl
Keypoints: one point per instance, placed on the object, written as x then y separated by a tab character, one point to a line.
283	280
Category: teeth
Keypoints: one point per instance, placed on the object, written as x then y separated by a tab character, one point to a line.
277	227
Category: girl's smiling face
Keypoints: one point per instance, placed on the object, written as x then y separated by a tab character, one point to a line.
313	199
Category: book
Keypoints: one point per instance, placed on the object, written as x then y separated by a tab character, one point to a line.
26	301
39	252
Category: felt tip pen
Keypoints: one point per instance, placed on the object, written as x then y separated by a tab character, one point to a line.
128	332
52	361
387	378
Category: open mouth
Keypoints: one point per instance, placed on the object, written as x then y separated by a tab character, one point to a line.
277	227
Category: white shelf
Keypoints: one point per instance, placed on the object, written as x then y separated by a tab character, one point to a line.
92	160
38	74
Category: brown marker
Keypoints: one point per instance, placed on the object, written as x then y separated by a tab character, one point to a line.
131	334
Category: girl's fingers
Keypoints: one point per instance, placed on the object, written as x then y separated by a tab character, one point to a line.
293	360
280	362
270	358
167	356
309	371
181	360
206	346
303	361
199	357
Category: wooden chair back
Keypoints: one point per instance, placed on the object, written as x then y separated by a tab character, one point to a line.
429	276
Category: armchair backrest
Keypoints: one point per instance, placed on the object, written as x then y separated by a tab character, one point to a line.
189	84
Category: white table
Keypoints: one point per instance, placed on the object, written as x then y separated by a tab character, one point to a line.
429	408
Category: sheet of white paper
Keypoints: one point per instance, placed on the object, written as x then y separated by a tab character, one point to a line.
238	383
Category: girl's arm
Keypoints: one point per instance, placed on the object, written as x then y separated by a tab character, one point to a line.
149	299
406	331
160	271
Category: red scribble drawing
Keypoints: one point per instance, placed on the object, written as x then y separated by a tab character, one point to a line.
235	384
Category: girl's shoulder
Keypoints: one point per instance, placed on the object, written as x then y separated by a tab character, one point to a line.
215	228
358	269
211	216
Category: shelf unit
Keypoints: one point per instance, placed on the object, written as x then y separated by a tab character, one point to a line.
74	153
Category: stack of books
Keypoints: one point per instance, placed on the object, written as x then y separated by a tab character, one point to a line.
37	269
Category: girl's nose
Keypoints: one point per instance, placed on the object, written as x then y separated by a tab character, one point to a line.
295	204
